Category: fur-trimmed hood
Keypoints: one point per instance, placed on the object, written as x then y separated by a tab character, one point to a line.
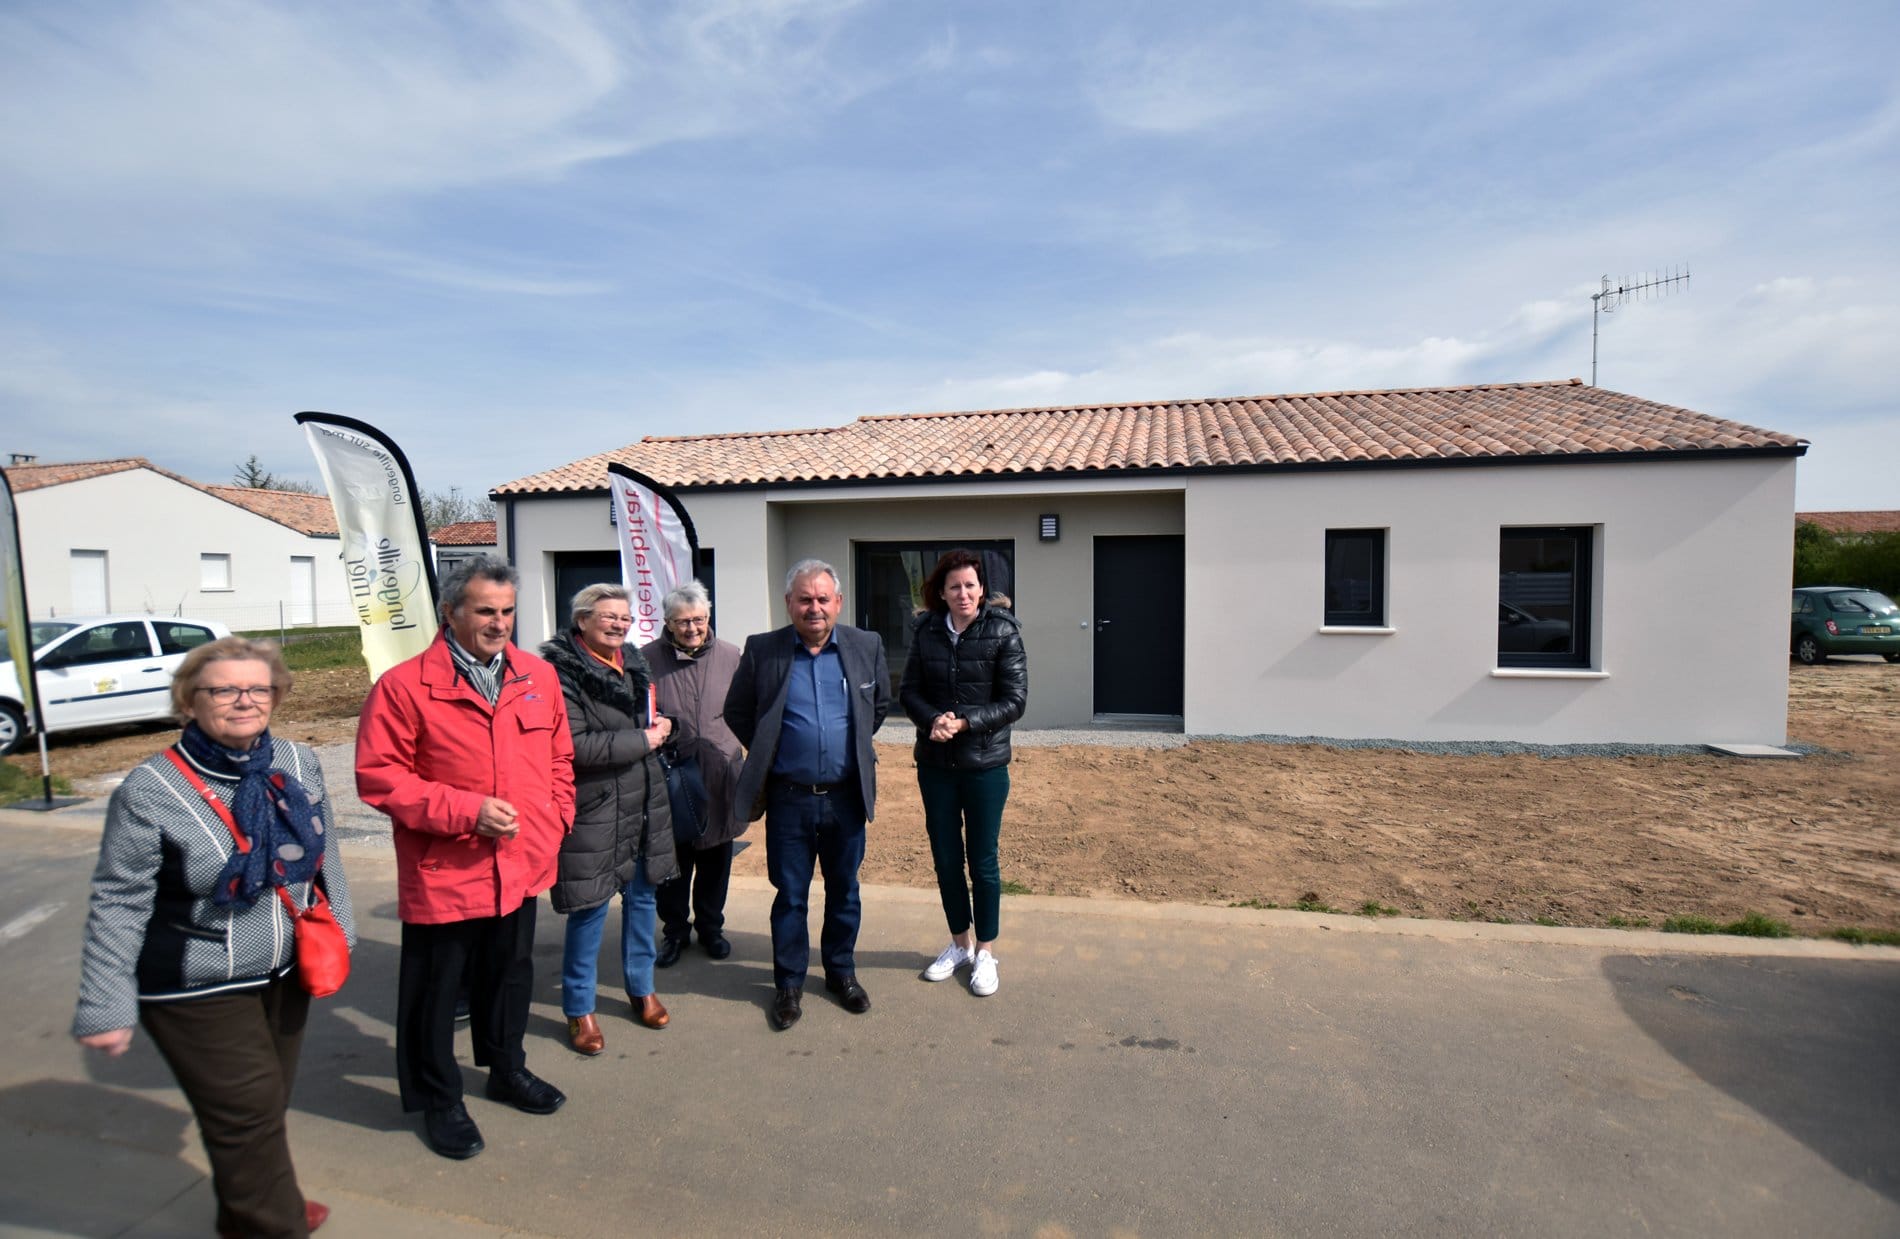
627	693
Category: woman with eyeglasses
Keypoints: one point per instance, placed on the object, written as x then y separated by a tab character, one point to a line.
692	669
189	936
622	840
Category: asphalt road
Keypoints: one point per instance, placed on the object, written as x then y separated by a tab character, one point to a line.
1144	1071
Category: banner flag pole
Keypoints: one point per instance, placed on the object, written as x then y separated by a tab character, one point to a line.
19	624
659	548
389	571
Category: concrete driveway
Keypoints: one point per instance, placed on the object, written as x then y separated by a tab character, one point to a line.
1145	1070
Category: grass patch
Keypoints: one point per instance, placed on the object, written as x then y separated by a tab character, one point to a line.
1490	918
1618	922
17	784
1867	937
1260	905
1373	907
1313	903
1754	925
312	649
1013	887
1548	922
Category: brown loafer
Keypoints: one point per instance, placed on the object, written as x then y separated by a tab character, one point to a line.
650	1012
583	1033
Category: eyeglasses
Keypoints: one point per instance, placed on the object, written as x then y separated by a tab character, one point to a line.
690	621
225	694
618	621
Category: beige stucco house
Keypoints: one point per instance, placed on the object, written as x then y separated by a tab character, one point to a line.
1497	562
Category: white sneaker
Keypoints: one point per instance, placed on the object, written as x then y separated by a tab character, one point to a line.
953	958
983	976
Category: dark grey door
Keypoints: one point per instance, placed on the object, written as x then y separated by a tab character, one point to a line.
575	571
1139	626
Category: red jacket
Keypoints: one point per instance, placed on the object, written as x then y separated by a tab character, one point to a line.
430	749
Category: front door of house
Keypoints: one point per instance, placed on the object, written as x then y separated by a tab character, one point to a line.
1139	625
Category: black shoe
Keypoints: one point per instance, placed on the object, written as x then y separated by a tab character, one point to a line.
669	952
525	1091
451	1133
716	946
461	1009
785	1008
851	995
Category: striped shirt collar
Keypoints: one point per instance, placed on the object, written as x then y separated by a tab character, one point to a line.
484	677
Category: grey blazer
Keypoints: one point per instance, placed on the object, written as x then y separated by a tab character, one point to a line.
755	705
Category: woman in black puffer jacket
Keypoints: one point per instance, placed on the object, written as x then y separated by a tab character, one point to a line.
965	682
622	838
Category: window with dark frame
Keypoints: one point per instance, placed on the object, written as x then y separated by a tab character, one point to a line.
1544	592
1355	578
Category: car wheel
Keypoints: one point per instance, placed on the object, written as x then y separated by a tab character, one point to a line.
12	728
1892	658
1808	650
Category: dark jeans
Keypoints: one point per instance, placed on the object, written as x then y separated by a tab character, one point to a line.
235	1055
496	953
703	881
802	829
963	814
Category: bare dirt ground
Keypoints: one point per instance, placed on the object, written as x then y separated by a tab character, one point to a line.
1575	841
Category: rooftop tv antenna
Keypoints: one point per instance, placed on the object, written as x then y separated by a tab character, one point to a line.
1642	288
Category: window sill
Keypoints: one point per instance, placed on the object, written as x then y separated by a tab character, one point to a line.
1356	630
1547	673
209	590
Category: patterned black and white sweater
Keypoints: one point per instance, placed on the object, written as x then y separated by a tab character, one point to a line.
153	934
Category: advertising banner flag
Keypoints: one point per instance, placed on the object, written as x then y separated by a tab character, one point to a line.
13	607
386	560
658	546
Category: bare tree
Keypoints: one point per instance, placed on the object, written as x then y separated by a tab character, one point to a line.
254	475
451	507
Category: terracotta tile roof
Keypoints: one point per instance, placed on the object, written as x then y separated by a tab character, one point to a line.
1852	522
33	477
465	533
1520	420
307	514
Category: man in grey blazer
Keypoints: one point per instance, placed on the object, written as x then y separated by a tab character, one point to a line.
805	702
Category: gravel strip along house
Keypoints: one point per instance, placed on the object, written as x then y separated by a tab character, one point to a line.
1546	563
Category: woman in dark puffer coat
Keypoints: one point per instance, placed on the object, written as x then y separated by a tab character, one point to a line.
965	681
623	829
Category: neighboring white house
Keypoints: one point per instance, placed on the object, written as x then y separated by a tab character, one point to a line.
1500	562
459	541
126	535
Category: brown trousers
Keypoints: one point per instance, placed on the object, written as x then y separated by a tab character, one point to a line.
235	1056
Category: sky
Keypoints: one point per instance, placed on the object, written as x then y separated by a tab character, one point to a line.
515	234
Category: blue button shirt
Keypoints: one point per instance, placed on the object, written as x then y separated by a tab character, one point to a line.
814	739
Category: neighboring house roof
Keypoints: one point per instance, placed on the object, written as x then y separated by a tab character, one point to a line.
465	533
311	514
1852	522
33	477
1459	425
307	514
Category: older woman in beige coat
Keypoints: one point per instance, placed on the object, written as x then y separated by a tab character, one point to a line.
692	669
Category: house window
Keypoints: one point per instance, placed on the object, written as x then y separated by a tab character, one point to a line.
890	585
1544	590
1355	578
214	572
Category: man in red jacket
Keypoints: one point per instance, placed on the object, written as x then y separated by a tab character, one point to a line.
466	748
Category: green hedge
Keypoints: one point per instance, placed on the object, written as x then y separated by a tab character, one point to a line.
1871	561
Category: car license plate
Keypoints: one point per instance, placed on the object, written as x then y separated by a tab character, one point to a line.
1875	630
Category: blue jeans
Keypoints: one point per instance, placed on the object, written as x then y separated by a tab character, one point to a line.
803	830
580	959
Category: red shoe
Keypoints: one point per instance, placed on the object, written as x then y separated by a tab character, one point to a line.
315	1214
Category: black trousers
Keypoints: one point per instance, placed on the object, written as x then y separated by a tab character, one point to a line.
496	953
703	881
235	1056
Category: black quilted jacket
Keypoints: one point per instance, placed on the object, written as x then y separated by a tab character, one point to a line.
983	677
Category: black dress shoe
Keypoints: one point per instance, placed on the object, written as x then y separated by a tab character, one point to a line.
851	995
451	1133
785	1008
716	946
669	952
525	1091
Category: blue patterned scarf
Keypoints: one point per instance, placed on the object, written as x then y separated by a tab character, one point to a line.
271	809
